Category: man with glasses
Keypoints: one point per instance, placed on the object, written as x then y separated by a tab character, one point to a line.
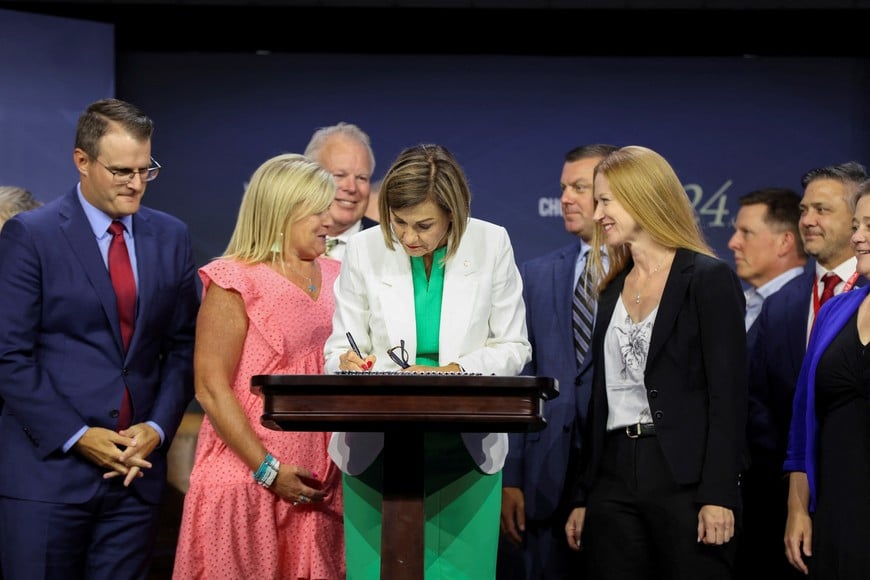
98	306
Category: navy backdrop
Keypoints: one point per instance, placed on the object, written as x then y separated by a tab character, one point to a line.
727	124
51	69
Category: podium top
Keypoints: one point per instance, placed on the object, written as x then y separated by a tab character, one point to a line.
374	402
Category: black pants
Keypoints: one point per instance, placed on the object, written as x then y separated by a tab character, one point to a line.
640	525
544	553
765	508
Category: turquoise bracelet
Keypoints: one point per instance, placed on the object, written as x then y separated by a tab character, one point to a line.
267	472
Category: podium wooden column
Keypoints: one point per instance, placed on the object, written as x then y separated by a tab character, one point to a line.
403	406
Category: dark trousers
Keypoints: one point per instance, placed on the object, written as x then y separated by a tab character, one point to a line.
640	525
110	537
765	508
544	554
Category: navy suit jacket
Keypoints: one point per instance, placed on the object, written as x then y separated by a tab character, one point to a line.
538	462
62	363
752	335
695	377
368	222
774	365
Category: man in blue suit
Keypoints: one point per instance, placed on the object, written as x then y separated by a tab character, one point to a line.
767	245
775	360
535	475
94	393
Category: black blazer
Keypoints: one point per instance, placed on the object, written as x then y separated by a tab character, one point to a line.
695	376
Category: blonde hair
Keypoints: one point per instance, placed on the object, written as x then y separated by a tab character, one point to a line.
645	184
14	200
282	190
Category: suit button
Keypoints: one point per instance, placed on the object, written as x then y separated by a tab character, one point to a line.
653	394
114	414
124	372
659	414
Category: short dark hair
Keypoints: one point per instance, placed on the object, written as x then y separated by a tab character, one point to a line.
783	209
588	151
97	118
850	172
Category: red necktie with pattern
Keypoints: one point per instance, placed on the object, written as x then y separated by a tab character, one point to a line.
121	273
830	280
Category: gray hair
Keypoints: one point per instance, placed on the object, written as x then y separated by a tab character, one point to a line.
322	135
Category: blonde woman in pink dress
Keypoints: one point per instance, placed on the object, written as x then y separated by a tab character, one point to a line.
264	504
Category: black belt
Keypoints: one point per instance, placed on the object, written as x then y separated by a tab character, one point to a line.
639	430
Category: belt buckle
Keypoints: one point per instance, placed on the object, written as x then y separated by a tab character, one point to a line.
628	431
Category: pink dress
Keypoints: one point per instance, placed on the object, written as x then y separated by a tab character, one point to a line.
232	528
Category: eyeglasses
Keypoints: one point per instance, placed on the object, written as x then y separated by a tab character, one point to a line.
124	175
400	359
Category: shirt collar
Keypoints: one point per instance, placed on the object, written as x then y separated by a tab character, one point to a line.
99	220
346	234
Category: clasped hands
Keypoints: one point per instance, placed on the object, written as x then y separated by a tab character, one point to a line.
121	453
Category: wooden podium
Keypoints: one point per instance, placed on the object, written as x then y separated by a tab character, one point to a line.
403	406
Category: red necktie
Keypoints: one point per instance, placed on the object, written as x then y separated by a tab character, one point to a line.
124	284
831	280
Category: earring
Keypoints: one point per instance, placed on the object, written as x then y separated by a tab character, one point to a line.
276	247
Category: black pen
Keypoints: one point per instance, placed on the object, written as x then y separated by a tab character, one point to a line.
366	365
353	344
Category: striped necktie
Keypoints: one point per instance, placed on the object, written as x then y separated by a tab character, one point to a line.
581	314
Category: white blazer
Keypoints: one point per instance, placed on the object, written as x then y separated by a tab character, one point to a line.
483	323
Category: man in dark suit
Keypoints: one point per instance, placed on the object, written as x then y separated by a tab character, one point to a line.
534	511
778	352
94	393
768	249
345	151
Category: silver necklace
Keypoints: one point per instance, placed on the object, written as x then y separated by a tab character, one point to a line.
311	287
655	271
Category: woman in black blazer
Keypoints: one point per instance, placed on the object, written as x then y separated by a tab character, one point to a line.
658	489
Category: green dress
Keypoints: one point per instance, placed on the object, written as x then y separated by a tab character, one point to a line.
462	504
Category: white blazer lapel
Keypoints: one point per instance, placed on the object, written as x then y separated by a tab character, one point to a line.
396	302
457	304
